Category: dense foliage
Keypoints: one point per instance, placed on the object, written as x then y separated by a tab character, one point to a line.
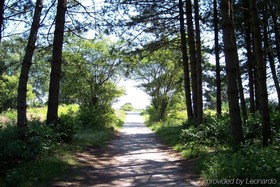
127	107
42	142
160	74
8	92
250	163
212	143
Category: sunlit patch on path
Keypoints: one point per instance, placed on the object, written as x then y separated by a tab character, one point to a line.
135	158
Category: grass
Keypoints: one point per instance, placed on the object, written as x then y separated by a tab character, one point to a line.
169	131
35	113
42	170
38	172
218	162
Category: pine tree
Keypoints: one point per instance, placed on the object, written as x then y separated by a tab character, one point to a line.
26	64
231	58
54	88
261	74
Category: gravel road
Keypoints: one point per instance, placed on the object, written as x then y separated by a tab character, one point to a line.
136	157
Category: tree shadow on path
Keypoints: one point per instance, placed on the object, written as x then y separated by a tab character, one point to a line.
136	157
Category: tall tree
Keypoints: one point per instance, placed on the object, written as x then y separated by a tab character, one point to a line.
26	64
187	88
270	56
231	58
193	58
199	64
54	88
160	75
248	47
93	66
261	73
275	27
2	3
217	59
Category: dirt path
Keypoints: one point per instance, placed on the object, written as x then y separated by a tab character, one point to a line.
135	158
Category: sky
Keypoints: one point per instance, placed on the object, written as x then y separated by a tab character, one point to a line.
137	97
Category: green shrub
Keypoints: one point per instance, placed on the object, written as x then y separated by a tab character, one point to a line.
43	153
35	173
127	107
14	150
275	126
250	162
153	114
214	131
66	127
253	128
169	131
97	117
11	115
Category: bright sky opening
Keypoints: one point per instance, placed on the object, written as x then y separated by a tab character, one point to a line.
134	95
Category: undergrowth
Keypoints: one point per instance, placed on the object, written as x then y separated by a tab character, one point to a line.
211	143
48	151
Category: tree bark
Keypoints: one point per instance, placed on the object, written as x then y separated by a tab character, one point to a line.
2	3
26	64
261	74
250	64
270	56
231	57
276	29
185	62
193	58
199	65
241	96
54	88
217	59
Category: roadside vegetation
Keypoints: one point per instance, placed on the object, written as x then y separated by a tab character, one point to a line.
210	143
48	151
186	55
127	107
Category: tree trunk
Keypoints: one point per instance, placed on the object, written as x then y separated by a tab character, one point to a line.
241	96
199	64
193	59
54	88
26	64
217	58
163	109
270	57
2	3
261	74
185	62
257	90
276	29
250	64
231	57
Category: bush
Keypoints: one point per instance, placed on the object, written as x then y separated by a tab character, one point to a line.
251	162
253	128
168	131
40	140
211	133
14	150
66	127
127	107
275	126
153	114
96	117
